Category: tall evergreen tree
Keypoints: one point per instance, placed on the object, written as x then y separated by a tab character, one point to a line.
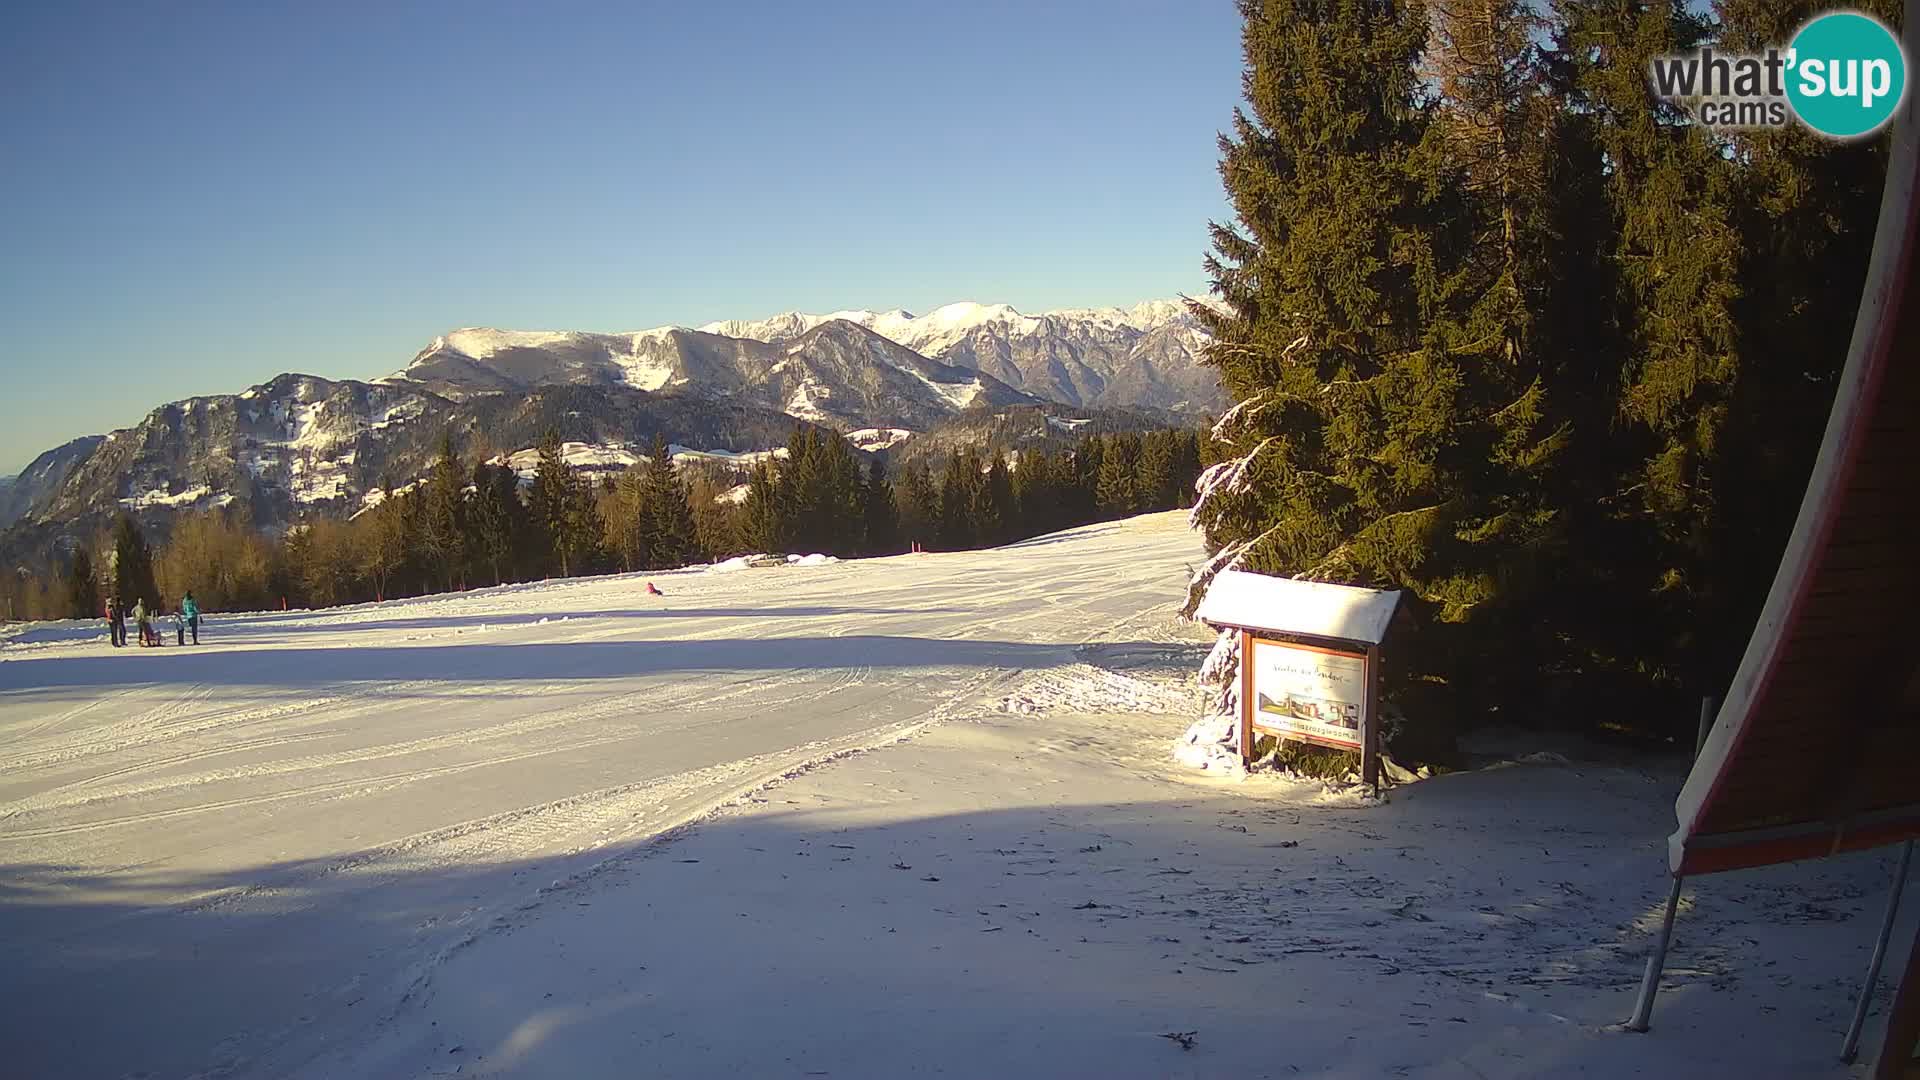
1806	208
1186	467
83	589
1088	456
882	516
1365	414
133	565
990	505
1155	485
1035	496
671	538
562	509
1116	486
1675	252
956	531
497	519
919	506
443	517
763	524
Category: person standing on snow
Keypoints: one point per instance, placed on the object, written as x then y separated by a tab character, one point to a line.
116	629
191	611
140	621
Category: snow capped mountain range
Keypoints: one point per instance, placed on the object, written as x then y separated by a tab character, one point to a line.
299	444
943	326
1146	356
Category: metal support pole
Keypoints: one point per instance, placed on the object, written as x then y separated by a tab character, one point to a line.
1643	1009
1852	1046
1706	724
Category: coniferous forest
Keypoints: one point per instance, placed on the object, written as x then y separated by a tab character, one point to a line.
468	525
1508	333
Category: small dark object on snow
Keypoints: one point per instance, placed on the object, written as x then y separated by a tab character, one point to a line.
1184	1038
1090	850
1088	906
901	866
456	1049
929	877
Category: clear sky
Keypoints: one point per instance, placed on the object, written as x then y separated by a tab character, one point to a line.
192	201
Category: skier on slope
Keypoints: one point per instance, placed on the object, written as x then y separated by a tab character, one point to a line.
651	591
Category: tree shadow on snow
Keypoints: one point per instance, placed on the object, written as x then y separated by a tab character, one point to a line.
305	668
255	630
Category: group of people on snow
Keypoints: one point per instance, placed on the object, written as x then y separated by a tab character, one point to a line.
186	620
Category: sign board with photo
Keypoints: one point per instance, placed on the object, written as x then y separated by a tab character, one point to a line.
1307	692
1309	659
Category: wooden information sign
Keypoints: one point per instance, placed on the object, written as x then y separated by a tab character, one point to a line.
1309	660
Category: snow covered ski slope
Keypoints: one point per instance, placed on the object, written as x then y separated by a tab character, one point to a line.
220	857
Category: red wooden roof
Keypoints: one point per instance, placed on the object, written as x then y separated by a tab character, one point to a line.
1817	748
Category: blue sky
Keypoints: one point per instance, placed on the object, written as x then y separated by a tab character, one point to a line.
194	201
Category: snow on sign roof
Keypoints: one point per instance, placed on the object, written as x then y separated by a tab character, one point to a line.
1287	606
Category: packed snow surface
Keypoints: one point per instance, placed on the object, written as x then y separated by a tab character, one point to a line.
300	818
447	837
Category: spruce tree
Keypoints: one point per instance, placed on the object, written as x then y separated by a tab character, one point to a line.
133	565
670	535
1675	251
1186	467
882	524
1083	504
443	519
83	589
1034	496
956	528
496	519
804	495
919	506
1373	441
562	510
990	505
1806	209
1155	484
764	526
1116	487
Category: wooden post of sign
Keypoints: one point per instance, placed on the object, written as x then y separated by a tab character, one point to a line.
1370	722
1246	697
